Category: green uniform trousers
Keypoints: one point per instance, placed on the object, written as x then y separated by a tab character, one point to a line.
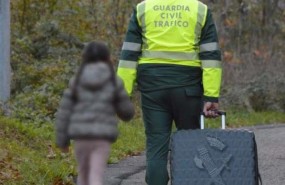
160	108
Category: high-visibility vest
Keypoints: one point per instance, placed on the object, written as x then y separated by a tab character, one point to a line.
171	34
171	31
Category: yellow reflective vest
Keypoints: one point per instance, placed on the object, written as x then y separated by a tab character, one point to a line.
169	32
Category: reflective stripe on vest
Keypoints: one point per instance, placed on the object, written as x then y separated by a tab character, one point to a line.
141	20
209	47
130	46
171	31
211	64
201	16
170	55
127	64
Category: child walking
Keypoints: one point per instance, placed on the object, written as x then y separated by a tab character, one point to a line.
87	113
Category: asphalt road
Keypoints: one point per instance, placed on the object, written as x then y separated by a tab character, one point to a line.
271	148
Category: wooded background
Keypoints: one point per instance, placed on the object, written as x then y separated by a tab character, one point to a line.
48	36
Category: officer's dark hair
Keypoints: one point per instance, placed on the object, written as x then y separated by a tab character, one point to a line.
93	52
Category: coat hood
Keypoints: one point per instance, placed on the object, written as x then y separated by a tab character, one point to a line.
95	75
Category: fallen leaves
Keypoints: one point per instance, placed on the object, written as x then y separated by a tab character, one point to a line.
8	171
228	56
231	23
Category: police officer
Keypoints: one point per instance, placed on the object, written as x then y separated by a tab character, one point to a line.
171	50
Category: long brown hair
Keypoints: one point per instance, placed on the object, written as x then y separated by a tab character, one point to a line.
94	52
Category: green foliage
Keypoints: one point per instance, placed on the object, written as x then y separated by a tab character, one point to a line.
41	90
47	41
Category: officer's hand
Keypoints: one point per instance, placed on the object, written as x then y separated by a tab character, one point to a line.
210	109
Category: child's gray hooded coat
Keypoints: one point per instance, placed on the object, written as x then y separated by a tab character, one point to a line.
94	113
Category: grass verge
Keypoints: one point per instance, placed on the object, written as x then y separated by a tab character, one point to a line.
28	155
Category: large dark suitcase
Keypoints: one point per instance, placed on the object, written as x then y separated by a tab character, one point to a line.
214	157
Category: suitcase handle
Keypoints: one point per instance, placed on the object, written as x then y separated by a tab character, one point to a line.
220	113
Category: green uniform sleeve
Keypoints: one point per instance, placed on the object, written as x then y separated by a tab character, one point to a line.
130	54
210	56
